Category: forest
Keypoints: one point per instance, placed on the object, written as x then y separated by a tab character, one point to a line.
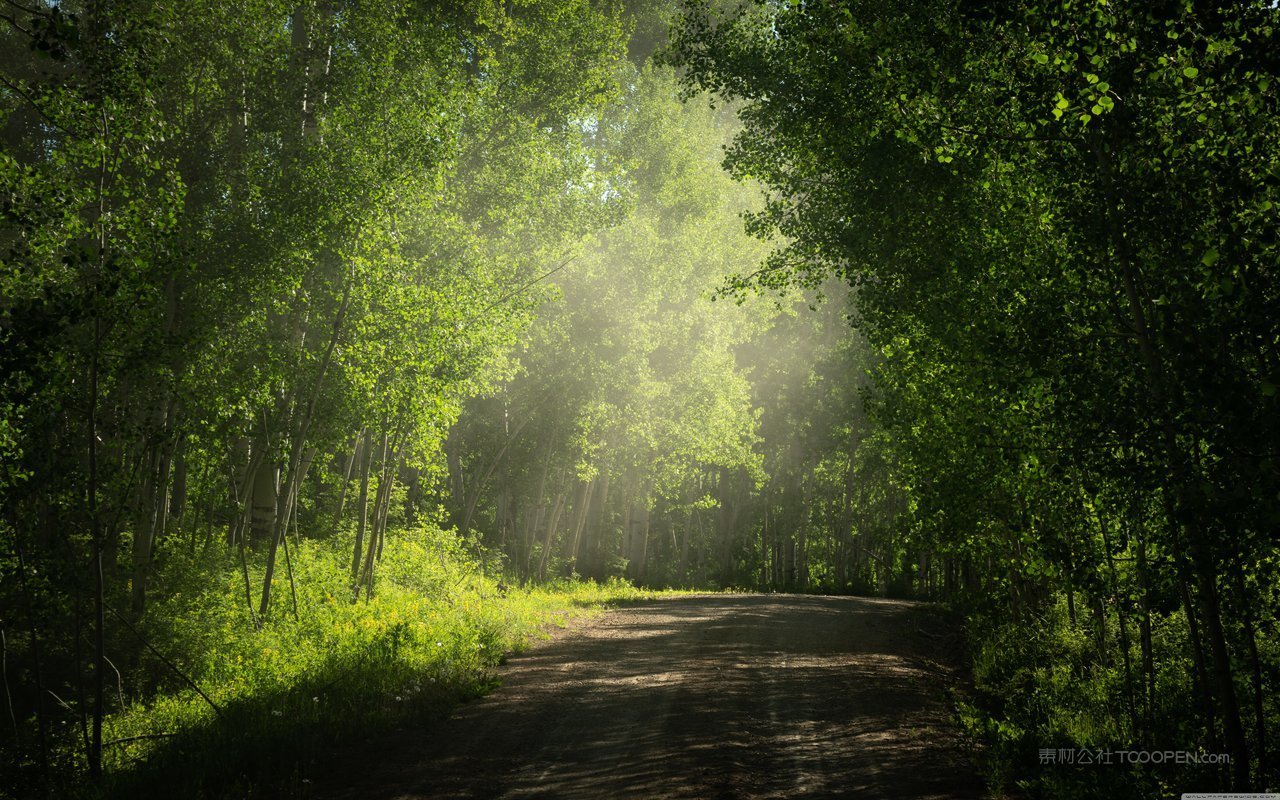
346	346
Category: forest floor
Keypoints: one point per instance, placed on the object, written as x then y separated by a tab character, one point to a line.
697	696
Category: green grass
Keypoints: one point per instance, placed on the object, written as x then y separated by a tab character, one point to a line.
1039	682
292	690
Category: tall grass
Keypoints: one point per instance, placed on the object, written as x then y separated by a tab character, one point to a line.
280	694
1042	683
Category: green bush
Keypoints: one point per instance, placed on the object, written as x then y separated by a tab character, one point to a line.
292	687
1041	683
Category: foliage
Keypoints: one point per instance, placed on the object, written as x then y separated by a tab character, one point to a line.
296	689
283	290
1052	221
630	403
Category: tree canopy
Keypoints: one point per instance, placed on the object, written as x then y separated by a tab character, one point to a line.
331	328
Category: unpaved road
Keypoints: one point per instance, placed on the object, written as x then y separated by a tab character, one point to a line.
715	696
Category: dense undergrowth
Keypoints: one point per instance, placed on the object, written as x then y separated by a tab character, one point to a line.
277	695
1042	696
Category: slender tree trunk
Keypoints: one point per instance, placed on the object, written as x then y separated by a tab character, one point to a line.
412	495
356	450
685	533
291	513
363	512
1144	634
153	505
484	478
1071	591
95	524
37	660
99	581
627	523
288	567
1222	671
531	526
638	539
1100	627
764	542
582	509
644	545
1120	618
294	479
242	457
549	539
390	471
601	520
1205	689
1255	677
370	556
265	500
178	494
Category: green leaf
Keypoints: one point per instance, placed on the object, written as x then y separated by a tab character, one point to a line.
1191	72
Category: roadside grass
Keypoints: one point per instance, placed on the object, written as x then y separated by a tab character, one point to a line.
1042	696
286	692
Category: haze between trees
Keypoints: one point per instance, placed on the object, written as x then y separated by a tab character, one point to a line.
308	310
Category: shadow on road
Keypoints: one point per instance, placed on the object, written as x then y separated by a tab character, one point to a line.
720	696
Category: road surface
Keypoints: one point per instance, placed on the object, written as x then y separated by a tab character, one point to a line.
710	696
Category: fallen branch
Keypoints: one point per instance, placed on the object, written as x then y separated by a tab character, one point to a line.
165	660
139	737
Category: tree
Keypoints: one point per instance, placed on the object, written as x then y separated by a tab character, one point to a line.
998	185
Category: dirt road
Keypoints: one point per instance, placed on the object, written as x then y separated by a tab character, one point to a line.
717	696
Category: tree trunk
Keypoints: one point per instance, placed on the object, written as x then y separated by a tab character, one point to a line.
688	543
1204	689
1255	678
366	450
601	505
549	540
484	477
351	460
638	540
764	542
241	465
294	479
178	494
152	506
390	471
1144	635
532	525
380	496
1120	618
582	509
266	490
